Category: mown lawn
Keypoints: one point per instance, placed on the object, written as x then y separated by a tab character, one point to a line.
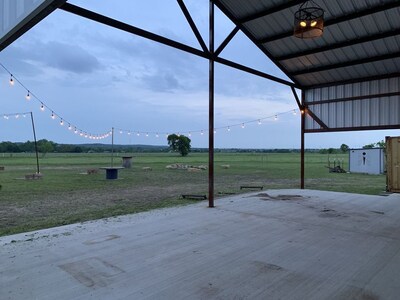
67	195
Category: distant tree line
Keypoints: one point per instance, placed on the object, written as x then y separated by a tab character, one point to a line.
344	148
44	146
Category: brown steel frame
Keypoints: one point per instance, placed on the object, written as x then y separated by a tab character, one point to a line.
212	56
207	53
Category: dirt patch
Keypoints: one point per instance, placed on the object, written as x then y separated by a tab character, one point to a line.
331	213
93	272
264	267
267	197
356	293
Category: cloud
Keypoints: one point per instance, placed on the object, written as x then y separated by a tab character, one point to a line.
70	58
161	82
54	54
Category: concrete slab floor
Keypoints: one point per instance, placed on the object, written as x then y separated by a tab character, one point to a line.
274	244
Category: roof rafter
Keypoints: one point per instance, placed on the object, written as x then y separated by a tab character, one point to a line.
364	39
253	71
131	29
346	64
340	19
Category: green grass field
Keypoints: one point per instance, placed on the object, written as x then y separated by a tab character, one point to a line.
67	195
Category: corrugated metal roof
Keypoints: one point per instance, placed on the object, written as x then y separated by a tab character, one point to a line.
361	38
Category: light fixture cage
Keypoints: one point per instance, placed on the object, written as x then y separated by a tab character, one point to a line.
309	21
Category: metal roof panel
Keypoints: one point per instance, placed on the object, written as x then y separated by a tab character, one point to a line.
383	16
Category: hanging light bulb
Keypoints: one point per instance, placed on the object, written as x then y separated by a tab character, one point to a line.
120	132
42	107
24	115
147	135
259	122
228	129
138	134
215	131
11	80
242	125
52	115
202	133
276	117
5	117
62	122
157	135
75	130
28	96
129	133
190	134
294	112
17	116
69	127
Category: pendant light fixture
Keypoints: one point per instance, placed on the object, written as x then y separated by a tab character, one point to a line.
309	21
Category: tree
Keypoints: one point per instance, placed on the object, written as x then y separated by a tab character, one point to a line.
381	144
179	143
369	146
45	146
344	148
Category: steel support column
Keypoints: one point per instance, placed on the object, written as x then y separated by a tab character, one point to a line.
211	112
303	123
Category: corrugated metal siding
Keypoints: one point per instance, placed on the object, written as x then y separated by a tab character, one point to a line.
383	111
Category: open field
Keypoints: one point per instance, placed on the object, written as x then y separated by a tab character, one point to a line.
67	195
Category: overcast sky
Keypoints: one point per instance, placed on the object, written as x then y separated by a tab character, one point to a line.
96	77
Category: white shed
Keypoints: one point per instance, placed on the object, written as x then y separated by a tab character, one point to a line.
369	161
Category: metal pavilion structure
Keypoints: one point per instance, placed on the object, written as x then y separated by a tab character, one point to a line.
349	78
